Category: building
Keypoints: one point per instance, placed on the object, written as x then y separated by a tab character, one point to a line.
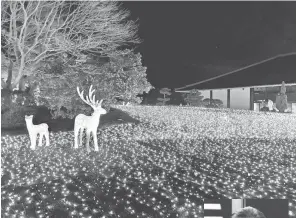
247	87
225	208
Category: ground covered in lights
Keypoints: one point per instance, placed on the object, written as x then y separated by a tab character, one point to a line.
161	167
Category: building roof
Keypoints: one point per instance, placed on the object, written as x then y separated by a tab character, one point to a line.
271	71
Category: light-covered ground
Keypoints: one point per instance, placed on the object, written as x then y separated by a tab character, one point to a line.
162	167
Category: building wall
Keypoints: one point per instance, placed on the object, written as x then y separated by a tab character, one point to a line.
217	94
205	94
237	204
239	98
273	91
294	108
222	95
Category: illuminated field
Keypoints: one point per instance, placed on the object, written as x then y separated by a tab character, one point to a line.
162	167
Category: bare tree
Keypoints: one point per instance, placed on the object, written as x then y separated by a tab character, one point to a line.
35	31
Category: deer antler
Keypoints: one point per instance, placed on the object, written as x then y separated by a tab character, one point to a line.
90	99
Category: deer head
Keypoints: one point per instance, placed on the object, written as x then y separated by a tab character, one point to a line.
91	101
29	117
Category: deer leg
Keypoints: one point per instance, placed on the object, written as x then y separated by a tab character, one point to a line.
95	140
81	137
76	132
47	138
87	140
40	139
33	141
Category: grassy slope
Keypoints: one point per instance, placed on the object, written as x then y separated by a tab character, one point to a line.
160	167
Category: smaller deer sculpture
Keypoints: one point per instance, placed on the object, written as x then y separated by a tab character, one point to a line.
90	123
34	130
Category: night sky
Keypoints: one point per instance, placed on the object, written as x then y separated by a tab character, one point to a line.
185	42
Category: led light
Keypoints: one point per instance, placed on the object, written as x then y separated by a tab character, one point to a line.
173	156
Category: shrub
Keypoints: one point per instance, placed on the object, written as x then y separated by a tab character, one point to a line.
215	103
122	78
14	107
13	118
281	99
194	98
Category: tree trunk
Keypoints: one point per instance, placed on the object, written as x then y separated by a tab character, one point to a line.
20	74
9	76
22	84
3	84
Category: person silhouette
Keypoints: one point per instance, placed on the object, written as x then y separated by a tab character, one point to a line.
248	212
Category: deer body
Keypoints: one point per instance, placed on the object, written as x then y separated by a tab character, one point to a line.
90	123
34	130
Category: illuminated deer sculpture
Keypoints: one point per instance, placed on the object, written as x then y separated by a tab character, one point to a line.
90	123
34	130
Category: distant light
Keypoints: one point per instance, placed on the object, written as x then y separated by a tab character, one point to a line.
213	217
212	206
